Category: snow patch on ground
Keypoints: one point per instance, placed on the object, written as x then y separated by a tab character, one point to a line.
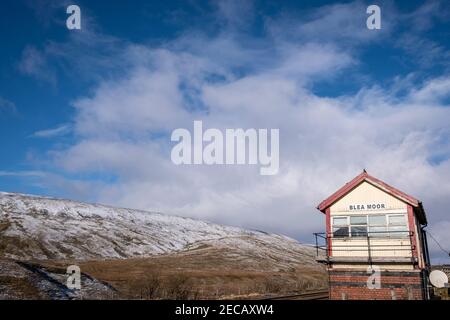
33	227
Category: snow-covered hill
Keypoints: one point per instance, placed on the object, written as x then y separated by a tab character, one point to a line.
34	227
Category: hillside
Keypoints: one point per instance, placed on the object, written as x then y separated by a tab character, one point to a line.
122	246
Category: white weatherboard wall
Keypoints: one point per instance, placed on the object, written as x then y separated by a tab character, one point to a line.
363	195
366	193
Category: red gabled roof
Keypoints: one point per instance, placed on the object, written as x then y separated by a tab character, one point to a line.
364	176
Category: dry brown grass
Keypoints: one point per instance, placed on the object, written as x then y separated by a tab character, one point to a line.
200	274
20	288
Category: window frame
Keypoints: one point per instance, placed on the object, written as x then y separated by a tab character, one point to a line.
378	234
397	233
358	225
340	226
386	225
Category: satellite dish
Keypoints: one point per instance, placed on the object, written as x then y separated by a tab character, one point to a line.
438	279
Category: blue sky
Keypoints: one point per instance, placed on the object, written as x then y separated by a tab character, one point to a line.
87	114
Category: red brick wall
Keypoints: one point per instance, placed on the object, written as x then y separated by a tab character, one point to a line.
352	285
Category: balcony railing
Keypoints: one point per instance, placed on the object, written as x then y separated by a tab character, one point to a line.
383	246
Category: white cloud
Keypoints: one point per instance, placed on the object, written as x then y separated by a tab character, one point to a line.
22	173
53	132
324	143
123	129
343	23
434	91
34	63
235	13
